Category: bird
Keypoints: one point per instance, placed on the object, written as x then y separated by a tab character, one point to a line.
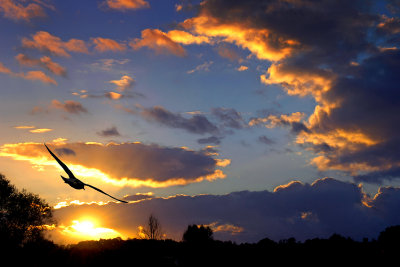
75	182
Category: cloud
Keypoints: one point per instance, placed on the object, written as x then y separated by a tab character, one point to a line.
123	5
124	83
46	42
389	25
168	43
348	64
227	52
361	138
197	124
299	210
30	75
112	131
294	121
105	44
265	140
4	69
242	68
33	129
65	151
229	117
186	38
317	62
15	10
202	67
41	130
113	95
44	62
69	106
25	127
262	42
125	164
158	41
138	196
210	140
110	95
107	64
37	75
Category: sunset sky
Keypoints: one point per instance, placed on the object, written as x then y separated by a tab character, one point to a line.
220	112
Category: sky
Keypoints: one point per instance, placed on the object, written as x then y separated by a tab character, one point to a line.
273	118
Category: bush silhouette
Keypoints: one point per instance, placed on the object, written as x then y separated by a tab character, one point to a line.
23	216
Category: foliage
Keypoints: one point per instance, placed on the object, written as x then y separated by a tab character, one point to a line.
198	234
23	215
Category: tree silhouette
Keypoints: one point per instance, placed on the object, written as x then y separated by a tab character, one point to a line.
198	234
23	215
153	228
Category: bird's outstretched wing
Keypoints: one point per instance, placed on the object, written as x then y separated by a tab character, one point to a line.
68	171
105	193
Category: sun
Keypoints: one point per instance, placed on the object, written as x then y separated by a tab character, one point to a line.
88	229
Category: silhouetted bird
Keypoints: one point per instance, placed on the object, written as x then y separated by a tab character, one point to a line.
73	181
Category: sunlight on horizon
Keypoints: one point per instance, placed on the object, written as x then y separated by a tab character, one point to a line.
88	229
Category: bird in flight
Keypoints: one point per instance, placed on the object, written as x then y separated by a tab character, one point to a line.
75	182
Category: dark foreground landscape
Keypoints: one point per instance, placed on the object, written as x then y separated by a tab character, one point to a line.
23	243
204	251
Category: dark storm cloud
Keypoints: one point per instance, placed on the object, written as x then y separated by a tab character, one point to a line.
344	55
378	177
369	104
197	124
112	131
298	210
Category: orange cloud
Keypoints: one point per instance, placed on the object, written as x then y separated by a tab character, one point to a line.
291	184
123	5
122	84
16	11
39	76
273	121
24	127
159	42
4	69
46	42
229	228
105	44
242	68
186	38
113	95
44	62
259	41
125	164
30	75
41	130
298	81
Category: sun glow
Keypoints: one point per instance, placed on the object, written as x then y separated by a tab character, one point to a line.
87	229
